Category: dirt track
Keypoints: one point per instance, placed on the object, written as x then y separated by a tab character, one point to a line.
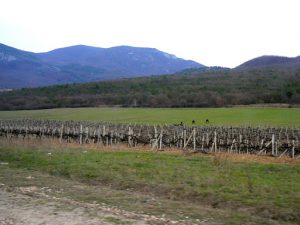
30	197
30	206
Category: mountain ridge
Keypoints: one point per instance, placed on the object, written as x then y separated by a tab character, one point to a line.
269	60
81	63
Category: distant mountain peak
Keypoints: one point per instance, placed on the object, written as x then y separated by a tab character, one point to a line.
268	60
9	54
82	63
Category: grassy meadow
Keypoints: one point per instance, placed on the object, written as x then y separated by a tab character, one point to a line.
247	116
270	191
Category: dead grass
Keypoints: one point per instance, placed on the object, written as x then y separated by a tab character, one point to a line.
55	144
256	159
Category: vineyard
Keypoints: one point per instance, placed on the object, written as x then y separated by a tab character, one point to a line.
242	140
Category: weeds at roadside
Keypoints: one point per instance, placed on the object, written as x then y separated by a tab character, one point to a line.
214	180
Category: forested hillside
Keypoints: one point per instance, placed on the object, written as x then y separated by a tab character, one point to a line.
191	88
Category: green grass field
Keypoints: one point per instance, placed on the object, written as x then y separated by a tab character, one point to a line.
216	116
267	190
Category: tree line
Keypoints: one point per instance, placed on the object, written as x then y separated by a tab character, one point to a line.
187	89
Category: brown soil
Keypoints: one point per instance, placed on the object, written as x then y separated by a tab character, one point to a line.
256	158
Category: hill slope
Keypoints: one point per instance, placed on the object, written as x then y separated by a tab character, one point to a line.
265	61
190	88
77	64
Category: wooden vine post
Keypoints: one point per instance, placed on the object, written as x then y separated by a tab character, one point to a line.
61	132
80	137
277	142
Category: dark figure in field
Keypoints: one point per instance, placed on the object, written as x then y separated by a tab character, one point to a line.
180	124
193	122
207	121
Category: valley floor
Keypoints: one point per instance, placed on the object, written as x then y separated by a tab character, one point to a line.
236	116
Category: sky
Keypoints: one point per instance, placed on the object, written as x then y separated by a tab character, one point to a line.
211	32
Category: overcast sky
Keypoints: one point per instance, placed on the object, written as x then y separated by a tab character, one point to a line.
211	32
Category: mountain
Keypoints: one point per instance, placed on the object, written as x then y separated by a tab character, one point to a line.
25	69
265	61
77	64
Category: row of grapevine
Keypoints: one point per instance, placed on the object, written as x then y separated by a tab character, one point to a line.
250	140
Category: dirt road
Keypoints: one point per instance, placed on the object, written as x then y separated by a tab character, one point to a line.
30	197
32	206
